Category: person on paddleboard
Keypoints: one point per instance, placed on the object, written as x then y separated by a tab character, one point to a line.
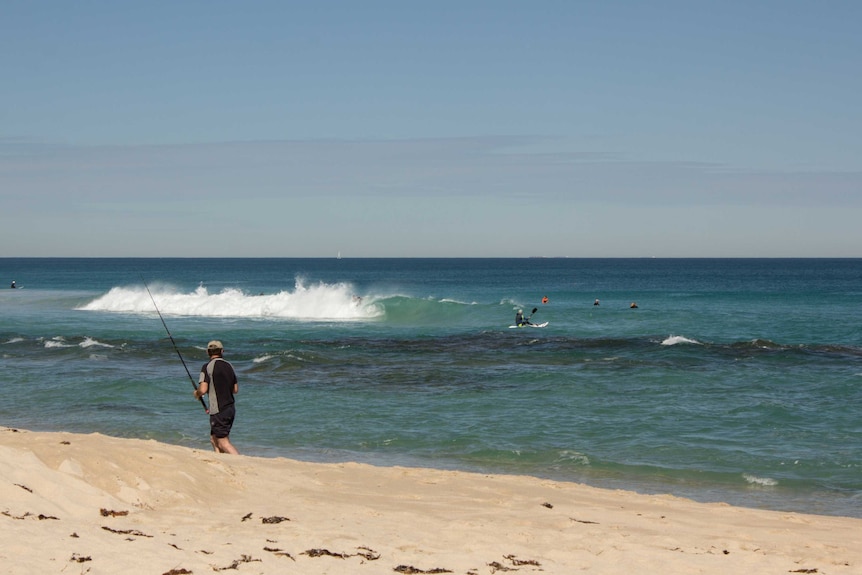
218	380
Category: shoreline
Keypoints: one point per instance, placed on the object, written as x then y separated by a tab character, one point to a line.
98	504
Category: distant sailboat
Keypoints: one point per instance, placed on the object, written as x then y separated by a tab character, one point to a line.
339	256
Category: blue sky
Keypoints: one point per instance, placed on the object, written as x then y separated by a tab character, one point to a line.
420	129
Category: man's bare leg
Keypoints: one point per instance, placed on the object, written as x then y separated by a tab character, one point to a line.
223	445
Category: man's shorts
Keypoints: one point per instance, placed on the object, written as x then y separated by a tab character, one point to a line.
221	422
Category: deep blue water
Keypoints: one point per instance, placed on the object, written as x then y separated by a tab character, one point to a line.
733	380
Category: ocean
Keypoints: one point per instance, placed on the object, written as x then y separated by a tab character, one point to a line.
734	380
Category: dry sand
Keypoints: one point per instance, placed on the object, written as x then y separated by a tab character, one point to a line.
95	504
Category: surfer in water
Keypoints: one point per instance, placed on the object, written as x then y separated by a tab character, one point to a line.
13	286
520	319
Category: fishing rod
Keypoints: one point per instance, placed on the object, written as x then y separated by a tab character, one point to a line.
194	385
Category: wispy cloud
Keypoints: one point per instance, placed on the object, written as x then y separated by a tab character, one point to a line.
482	166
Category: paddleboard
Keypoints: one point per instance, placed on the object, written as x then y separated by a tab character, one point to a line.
529	325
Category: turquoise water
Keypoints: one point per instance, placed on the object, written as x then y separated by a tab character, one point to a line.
734	380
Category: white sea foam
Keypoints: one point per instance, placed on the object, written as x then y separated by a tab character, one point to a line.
333	302
90	342
15	340
763	481
57	342
577	457
678	339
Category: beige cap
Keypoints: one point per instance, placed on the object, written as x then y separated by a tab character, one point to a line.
214	344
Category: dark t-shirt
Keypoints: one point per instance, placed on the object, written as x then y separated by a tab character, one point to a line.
220	376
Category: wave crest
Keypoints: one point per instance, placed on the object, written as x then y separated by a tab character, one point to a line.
678	339
320	301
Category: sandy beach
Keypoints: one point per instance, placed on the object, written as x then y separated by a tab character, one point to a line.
95	504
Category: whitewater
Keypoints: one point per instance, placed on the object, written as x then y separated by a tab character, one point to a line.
319	301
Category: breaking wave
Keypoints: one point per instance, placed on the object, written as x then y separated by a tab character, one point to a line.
320	301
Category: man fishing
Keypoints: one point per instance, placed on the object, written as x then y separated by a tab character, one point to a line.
218	380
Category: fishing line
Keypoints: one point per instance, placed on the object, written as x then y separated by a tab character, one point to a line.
194	385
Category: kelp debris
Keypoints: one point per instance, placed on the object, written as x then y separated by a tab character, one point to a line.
364	552
516	561
178	572
24	487
410	570
285	554
274	519
246	517
40	517
324	552
80	558
280	553
110	513
237	563
367	553
134	532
